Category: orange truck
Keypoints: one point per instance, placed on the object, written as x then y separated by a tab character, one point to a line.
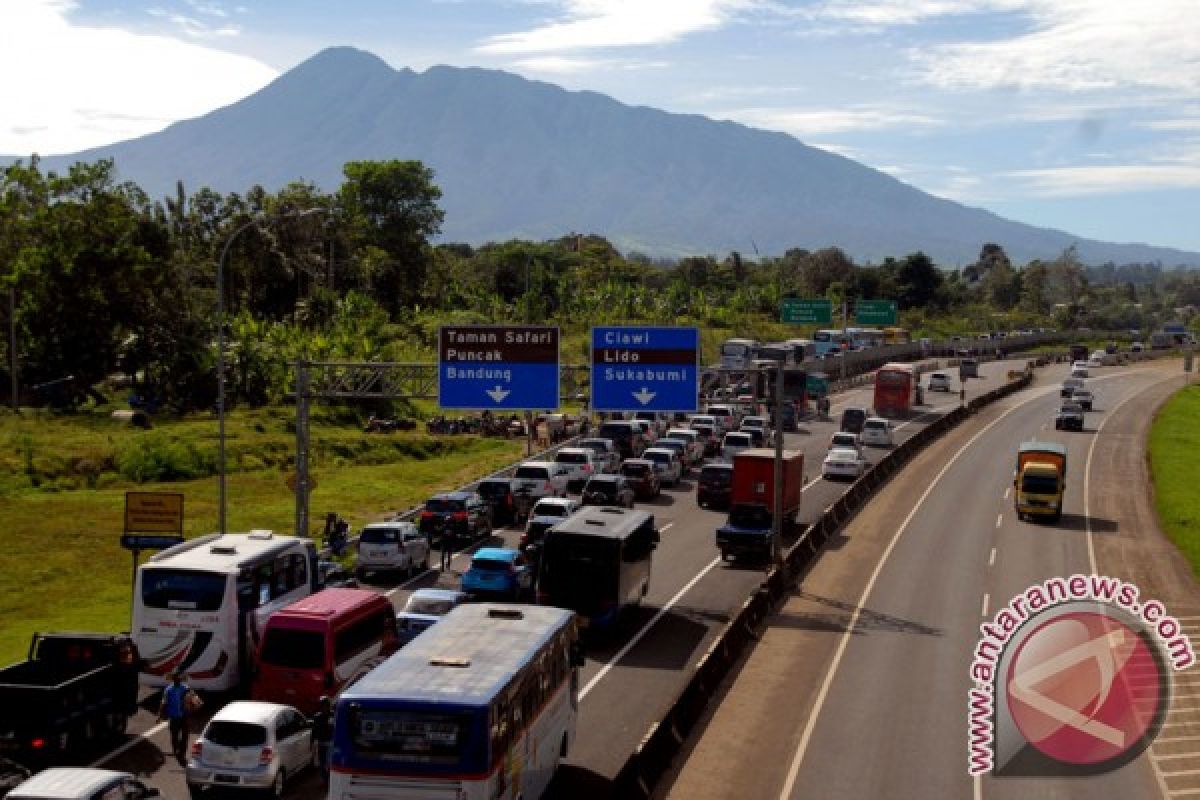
748	532
1040	480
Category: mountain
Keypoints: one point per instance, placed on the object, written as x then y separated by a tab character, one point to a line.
521	158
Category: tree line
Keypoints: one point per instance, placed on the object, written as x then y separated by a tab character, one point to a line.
102	279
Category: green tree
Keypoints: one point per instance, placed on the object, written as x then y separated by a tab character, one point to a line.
918	281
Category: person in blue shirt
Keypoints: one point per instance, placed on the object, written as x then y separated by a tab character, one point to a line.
175	708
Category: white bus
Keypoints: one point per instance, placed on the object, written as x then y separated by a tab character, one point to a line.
803	350
482	705
737	353
199	607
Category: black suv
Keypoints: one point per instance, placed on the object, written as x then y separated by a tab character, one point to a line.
464	516
853	419
625	435
714	485
497	493
608	490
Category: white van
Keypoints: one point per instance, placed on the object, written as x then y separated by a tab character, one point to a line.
391	547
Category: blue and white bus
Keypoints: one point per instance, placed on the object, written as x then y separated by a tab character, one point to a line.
865	338
737	353
481	706
829	339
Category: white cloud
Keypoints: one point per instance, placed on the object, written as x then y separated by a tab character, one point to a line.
1117	179
558	65
98	85
193	27
616	23
815	122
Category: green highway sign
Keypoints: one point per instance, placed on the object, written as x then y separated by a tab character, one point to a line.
806	312
875	312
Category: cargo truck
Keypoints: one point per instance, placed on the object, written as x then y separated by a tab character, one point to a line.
748	532
1040	480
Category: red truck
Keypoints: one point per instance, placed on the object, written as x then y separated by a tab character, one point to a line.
748	531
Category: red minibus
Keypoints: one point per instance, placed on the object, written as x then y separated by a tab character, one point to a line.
894	387
312	647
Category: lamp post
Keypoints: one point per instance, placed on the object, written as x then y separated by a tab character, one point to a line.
252	222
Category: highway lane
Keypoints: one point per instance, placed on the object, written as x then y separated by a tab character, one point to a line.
691	598
870	659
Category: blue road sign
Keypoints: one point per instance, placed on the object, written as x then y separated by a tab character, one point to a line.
149	541
645	369
498	367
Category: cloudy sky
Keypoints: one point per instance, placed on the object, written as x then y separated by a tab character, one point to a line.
1082	115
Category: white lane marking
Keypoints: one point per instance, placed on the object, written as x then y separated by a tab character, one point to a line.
1007	490
992	558
999	520
1173	739
104	759
645	629
664	527
823	692
986	598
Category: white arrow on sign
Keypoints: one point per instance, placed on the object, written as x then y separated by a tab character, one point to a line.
498	394
644	396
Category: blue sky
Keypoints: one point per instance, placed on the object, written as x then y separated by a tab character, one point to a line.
1082	115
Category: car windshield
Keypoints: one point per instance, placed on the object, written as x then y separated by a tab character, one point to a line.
544	509
186	590
441	505
536	473
434	606
494	488
876	425
634	470
737	440
490	564
284	647
571	458
380	536
718	476
746	516
228	733
661	458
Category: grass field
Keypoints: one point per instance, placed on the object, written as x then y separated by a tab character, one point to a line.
1174	443
62	496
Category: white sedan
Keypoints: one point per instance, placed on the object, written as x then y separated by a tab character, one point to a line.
842	462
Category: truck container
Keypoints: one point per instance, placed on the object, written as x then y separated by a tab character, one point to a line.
1039	481
74	689
748	530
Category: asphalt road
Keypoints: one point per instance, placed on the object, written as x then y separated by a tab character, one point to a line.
858	686
634	674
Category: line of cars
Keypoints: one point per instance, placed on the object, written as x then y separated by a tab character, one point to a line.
1076	397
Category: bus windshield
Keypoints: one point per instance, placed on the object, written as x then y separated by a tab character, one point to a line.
410	735
578	571
183	589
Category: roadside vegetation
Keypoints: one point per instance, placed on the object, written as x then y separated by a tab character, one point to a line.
1174	442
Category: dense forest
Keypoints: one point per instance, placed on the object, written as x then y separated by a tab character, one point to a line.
100	279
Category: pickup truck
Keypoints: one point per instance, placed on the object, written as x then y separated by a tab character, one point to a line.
748	530
74	688
1040	480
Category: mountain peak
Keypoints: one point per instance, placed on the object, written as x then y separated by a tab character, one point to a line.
343	60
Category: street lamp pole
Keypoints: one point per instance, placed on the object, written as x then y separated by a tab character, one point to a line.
252	222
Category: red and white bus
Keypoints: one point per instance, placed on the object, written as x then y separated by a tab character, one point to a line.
895	385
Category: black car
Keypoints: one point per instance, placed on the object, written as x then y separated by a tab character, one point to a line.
608	490
1069	417
462	515
789	423
497	493
708	435
714	485
853	419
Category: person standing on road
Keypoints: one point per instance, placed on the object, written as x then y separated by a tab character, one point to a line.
962	395
447	551
322	733
174	707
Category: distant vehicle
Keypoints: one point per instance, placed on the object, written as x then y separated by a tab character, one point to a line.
939	382
738	353
734	443
877	432
1084	397
625	435
1162	340
1070	386
396	735
1040	479
897	336
251	745
597	563
1079	369
853	418
73	688
679	448
546	512
708	437
1111	348
802	350
1096	359
607	456
842	462
424	608
726	416
1077	352
846	439
643	476
499	495
714	485
82	783
312	647
392	547
1069	417
865	338
789	420
210	598
748	531
761	423
1137	347
968	368
657	420
581	464
609	490
542	479
667	464
830	341
695	444
498	572
894	389
462	516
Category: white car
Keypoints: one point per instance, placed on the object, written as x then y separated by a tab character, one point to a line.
666	463
581	464
679	448
726	416
760	423
707	419
82	783
876	432
648	429
842	462
846	440
251	745
608	459
695	444
734	443
424	608
1079	369
542	479
391	546
939	382
558	507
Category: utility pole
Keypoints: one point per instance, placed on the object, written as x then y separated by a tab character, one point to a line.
12	346
777	517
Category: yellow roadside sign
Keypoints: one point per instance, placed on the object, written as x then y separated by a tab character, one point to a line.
154	512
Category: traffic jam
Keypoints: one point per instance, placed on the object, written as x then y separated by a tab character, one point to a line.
318	680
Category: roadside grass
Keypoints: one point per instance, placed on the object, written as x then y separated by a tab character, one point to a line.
1175	469
62	567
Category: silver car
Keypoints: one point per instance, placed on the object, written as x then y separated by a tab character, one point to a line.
392	547
666	464
251	745
82	783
